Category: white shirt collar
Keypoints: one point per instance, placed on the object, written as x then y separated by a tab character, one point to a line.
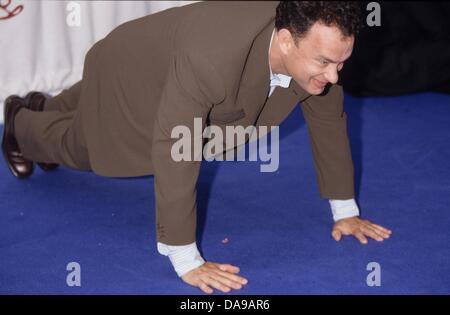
278	79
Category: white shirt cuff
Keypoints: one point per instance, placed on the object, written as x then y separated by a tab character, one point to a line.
342	209
184	258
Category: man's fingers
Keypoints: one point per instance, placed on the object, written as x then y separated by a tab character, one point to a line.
336	235
229	268
379	231
223	278
232	278
360	236
367	230
205	288
216	284
380	228
360	229
209	276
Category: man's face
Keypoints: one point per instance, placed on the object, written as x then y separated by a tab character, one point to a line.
317	58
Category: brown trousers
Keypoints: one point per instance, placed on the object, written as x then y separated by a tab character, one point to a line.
54	135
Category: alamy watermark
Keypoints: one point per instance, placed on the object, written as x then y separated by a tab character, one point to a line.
374	17
73	278
220	147
73	18
374	277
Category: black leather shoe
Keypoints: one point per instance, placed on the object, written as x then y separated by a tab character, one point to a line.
35	101
19	166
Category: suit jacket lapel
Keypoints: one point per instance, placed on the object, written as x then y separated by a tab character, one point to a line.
255	79
280	104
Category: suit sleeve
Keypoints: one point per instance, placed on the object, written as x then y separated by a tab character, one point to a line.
327	128
192	87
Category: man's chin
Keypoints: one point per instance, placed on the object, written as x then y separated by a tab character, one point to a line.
315	91
312	89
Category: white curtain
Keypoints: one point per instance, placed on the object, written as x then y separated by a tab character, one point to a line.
43	43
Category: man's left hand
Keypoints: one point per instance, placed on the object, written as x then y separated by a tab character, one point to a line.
359	229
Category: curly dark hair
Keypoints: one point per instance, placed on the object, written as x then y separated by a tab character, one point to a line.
299	16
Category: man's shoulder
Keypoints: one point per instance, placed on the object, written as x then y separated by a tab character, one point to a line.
221	23
225	8
224	31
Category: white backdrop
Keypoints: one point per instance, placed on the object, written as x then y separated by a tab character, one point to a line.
43	43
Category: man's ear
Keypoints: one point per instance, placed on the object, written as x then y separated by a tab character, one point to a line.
285	40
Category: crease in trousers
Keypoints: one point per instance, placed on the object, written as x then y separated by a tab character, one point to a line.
54	135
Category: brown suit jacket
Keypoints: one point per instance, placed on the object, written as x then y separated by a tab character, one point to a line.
208	60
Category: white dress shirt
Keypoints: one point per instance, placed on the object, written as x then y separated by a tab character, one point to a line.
187	257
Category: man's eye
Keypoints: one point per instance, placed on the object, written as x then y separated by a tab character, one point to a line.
323	62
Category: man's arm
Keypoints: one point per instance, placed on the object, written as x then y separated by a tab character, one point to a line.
182	100
192	88
327	127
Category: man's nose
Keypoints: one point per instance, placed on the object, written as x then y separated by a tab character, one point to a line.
332	75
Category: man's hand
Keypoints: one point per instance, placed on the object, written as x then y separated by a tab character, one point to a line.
360	229
219	276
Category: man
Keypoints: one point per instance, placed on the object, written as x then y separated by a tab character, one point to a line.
219	61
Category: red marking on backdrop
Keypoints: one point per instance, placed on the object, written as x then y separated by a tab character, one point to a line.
9	13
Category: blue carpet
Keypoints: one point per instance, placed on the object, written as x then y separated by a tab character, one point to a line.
278	228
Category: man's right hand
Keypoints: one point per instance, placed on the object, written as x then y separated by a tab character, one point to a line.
222	277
